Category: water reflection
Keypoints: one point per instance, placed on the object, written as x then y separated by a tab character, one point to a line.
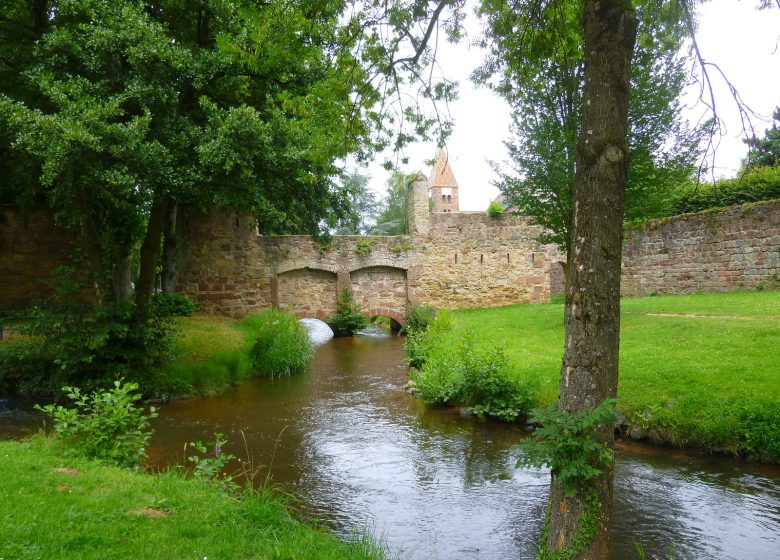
442	485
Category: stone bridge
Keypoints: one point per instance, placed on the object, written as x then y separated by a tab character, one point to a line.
449	260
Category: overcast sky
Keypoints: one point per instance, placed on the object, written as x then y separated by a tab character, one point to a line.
741	40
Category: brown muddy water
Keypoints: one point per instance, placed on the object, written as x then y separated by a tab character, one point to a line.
435	484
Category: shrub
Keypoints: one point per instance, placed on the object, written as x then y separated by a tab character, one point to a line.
348	318
758	184
210	464
105	424
476	378
570	445
173	305
281	344
419	318
495	209
487	388
87	348
421	343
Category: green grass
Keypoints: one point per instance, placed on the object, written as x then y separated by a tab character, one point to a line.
698	370
214	353
100	512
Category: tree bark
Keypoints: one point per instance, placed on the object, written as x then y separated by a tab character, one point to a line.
150	250
590	364
170	273
121	284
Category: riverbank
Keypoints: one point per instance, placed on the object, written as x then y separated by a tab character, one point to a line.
64	507
697	371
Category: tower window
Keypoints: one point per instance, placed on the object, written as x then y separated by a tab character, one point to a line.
444	198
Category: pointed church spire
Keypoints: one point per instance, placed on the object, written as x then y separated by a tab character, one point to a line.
443	185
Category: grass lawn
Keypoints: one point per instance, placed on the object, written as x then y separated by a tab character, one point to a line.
213	353
64	507
701	370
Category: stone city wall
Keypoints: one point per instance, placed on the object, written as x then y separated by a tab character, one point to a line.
31	250
454	261
734	248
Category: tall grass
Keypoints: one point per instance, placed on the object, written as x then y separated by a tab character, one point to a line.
215	353
281	344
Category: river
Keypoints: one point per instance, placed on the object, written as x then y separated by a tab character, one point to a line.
438	484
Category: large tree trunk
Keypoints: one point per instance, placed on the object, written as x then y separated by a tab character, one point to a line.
170	271
121	279
150	250
590	364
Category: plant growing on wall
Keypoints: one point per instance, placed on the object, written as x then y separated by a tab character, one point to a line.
348	318
495	209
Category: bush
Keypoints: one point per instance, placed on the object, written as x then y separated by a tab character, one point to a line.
421	343
570	445
419	318
281	344
478	379
487	388
495	209
172	305
104	424
348	318
87	348
758	184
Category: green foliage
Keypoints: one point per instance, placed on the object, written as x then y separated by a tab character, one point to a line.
112	112
419	318
210	464
754	185
765	152
365	247
420	344
86	347
543	82
438	382
165	304
474	377
348	318
570	445
281	345
105	424
393	218
488	389
495	209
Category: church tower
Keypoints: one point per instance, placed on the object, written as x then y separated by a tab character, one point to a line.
443	187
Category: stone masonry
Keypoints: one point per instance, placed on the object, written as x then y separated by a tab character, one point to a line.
449	261
735	248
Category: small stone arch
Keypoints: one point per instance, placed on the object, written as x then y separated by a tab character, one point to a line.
298	265
397	317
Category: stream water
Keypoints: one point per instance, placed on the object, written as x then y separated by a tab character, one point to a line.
438	484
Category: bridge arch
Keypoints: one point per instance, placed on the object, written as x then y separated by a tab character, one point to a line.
398	319
381	290
307	291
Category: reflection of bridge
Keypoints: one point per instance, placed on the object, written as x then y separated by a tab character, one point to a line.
450	260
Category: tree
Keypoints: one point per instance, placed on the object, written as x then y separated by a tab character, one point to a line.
543	82
128	108
393	218
362	203
765	152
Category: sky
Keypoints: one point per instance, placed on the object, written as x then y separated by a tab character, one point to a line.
743	42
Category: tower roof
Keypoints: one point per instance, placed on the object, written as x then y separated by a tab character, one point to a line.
441	174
